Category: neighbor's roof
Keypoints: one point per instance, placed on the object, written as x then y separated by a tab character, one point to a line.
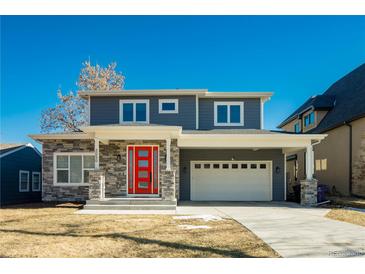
348	96
163	92
6	149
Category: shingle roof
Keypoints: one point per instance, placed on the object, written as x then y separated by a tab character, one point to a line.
347	96
4	148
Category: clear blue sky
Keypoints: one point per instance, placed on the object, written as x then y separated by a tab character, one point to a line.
295	57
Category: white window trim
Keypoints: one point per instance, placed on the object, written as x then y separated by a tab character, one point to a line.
162	101
228	104
134	102
20	178
40	181
82	163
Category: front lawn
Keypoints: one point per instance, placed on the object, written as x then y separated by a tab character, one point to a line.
44	230
346	215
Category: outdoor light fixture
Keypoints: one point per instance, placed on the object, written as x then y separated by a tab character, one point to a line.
119	157
277	170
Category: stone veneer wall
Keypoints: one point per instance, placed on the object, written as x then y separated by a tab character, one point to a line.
115	171
62	193
358	171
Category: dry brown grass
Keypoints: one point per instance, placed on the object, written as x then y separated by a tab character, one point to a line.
49	231
345	215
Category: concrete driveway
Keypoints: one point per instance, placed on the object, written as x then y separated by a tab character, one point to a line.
291	230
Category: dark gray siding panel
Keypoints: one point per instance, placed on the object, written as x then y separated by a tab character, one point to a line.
251	113
105	110
25	159
275	155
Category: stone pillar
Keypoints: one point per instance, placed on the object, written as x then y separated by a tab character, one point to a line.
308	192
167	185
96	185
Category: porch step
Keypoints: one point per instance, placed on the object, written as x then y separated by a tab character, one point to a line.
130	207
130	204
130	201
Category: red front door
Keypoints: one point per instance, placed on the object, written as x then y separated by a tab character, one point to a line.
143	170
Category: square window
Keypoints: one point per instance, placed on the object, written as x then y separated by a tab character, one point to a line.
168	106
253	166
62	161
262	166
235	166
215	165
134	111
197	165
222	114
89	161
62	176
225	166
206	166
228	113
244	166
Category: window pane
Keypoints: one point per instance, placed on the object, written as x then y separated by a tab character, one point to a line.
142	174
23	185
215	165
244	166
127	112
263	166
222	114
235	113
143	163
24	177
62	161
62	176
130	168
225	166
143	184
142	153
35	185
75	169
141	112
155	168
86	176
168	106
197	166
89	161
253	166
207	166
234	165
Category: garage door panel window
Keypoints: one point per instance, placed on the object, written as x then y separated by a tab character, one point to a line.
228	113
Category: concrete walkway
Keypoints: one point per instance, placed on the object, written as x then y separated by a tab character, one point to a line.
291	230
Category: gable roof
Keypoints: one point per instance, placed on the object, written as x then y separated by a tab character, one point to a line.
6	149
344	100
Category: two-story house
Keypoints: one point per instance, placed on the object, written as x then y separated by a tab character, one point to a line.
340	113
158	146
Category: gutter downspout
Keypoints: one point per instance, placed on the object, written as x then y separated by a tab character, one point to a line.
350	157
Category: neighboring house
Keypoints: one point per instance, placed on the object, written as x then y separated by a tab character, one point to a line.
20	181
169	145
340	113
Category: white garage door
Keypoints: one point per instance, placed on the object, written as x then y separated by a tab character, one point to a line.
231	181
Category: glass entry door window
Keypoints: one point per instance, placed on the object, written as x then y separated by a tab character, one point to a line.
142	170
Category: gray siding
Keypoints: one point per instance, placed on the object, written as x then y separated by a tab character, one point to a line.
251	113
25	159
275	155
105	110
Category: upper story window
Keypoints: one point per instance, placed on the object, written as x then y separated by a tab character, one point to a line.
309	119
297	127
228	113
73	168
168	106
134	111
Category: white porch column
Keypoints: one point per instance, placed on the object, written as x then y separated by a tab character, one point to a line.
168	154
96	150
309	162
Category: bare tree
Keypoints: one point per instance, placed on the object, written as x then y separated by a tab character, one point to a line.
71	112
